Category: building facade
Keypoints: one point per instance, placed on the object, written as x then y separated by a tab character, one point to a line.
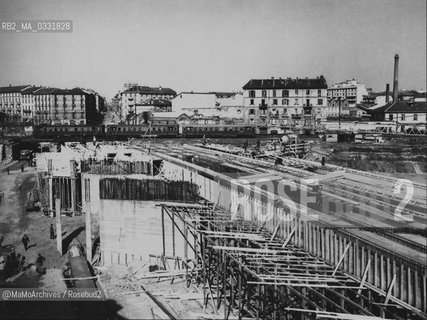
41	105
211	107
137	97
269	101
350	91
11	102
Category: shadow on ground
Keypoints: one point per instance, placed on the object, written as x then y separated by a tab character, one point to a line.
68	239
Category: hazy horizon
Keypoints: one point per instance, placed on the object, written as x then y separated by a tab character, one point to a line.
215	45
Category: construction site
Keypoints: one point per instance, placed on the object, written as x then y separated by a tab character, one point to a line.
205	230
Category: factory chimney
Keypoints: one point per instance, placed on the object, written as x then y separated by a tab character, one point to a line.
387	93
396	78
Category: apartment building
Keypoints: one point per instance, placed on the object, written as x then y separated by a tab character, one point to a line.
137	98
42	105
269	100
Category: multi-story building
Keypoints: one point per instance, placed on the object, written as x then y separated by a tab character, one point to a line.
141	96
347	94
270	100
350	90
212	105
11	101
44	101
50	105
28	103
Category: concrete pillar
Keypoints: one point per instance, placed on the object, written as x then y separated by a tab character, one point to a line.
383	283
402	281
375	278
88	236
416	288
424	292
73	195
58	225
409	286
50	195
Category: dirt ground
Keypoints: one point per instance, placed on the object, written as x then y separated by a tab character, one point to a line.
128	286
15	221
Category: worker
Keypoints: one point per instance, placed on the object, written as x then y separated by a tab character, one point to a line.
25	241
52	231
39	265
67	273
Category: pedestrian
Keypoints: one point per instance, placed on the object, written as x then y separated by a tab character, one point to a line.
22	167
52	231
8	170
1	241
25	241
39	264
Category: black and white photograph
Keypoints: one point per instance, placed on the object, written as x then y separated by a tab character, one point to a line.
213	159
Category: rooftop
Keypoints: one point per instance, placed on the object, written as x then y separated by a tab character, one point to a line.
13	89
150	90
317	83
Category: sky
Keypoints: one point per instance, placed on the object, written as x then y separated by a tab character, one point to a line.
217	45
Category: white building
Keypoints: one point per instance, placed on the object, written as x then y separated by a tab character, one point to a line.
222	105
11	101
350	90
130	99
270	100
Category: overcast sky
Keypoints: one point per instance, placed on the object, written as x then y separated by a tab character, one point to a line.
215	45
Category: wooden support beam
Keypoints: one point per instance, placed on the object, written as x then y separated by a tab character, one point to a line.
275	232
341	259
58	225
389	291
289	237
365	275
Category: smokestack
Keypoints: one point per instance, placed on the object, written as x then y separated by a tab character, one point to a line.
396	78
387	93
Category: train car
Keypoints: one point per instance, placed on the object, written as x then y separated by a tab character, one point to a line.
216	131
67	131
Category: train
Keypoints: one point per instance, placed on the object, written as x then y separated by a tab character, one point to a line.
161	129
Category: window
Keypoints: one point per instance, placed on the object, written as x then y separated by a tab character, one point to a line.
390	117
264	93
239	111
307	92
274	93
263	102
415	117
252	94
296	101
275	102
320	102
251	111
402	117
285	102
319	93
285	93
296	91
252	102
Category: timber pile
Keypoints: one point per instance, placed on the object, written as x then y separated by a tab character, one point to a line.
149	190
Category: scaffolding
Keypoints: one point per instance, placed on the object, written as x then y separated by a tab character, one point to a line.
248	272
